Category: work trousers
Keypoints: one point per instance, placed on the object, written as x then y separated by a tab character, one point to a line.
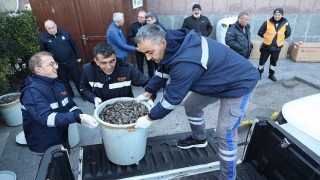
230	115
70	68
273	59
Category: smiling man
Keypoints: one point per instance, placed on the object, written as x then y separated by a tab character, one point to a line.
198	22
47	108
212	72
107	77
273	31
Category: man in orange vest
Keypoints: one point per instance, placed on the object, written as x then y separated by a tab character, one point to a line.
273	32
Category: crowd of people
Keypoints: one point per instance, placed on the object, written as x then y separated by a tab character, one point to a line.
183	61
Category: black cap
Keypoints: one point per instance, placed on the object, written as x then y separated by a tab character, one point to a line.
196	6
278	10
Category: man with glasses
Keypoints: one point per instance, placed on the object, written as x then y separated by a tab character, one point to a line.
116	38
238	36
47	108
151	18
65	51
107	77
198	22
131	35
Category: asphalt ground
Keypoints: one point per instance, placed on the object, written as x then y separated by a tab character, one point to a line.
295	80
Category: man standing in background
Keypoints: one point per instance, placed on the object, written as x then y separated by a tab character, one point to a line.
273	31
238	36
65	51
140	57
198	22
151	18
116	38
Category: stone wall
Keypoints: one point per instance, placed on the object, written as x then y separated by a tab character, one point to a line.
303	15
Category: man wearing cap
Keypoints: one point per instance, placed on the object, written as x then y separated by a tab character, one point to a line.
198	22
238	36
273	32
116	38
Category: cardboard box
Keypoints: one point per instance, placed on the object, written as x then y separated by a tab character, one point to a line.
255	53
308	52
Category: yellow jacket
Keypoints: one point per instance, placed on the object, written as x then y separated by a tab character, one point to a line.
270	33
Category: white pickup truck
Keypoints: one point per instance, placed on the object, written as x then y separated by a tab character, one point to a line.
286	149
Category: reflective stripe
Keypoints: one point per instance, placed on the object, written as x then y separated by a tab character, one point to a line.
228	152
167	105
195	118
119	84
261	67
54	105
273	32
269	40
50	120
96	84
73	108
272	67
22	107
281	33
65	101
196	122
226	158
162	75
205	52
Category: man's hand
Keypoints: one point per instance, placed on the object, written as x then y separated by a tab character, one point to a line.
151	103
97	101
78	60
143	122
88	121
142	97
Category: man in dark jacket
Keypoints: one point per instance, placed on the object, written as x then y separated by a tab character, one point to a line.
151	18
108	77
212	72
140	57
65	51
47	108
198	22
238	36
273	31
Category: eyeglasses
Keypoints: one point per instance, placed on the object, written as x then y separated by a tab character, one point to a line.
53	64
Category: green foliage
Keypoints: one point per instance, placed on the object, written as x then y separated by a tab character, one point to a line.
19	41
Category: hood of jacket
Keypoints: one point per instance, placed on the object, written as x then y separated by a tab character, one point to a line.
179	43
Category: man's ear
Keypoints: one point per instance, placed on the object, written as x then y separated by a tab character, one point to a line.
37	69
96	61
163	43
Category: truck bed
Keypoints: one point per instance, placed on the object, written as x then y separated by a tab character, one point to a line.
267	157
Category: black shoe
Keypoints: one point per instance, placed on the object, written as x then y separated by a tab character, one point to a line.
272	77
189	142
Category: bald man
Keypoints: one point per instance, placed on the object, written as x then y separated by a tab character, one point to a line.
65	52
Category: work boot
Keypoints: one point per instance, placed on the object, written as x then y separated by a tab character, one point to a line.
272	77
